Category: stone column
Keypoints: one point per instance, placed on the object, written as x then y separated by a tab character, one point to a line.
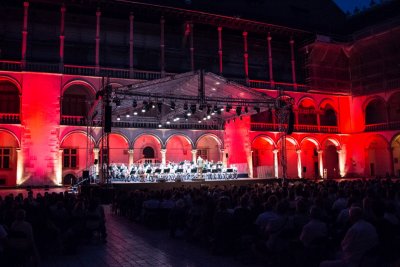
276	163
20	166
162	47
220	50
163	157
293	63
194	155
131	17
320	163
62	37
271	72
246	57
342	160
299	166
130	159
97	57
318	120
224	159
24	36
60	166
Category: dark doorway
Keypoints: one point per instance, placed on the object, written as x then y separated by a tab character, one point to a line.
148	152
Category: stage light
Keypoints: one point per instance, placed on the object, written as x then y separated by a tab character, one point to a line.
144	109
199	121
168	122
204	118
221	109
189	113
134	103
127	115
172	107
208	116
152	105
238	111
185	106
135	113
117	102
118	118
228	108
159	125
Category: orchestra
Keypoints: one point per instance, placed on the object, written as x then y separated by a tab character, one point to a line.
171	172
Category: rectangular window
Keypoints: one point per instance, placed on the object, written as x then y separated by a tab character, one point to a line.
203	153
70	158
5	154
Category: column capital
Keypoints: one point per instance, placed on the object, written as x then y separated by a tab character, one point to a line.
63	8
320	151
61	150
339	151
222	150
269	38
164	150
194	150
219	28
26	4
98	12
244	34
298	151
130	151
291	41
96	149
275	151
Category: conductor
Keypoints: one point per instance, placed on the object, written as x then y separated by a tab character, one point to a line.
200	167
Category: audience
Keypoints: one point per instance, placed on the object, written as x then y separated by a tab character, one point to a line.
295	224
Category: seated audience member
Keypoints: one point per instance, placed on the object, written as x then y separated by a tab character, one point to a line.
359	240
315	230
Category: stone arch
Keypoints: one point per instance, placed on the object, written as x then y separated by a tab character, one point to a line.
330	158
12	80
395	145
328	112
327	101
77	153
214	136
76	98
77	131
178	147
377	156
373	108
9	147
146	140
118	152
79	82
10	102
291	154
209	147
307	113
262	147
309	157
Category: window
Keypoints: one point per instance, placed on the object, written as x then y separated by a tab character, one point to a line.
70	158
5	154
203	153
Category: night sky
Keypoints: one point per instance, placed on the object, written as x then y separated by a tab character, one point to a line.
349	5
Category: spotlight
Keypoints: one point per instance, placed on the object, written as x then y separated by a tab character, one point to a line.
152	105
144	109
168	122
127	115
172	107
117	102
135	113
118	118
199	121
228	108
189	113
134	103
238	111
208	117
159	125
185	106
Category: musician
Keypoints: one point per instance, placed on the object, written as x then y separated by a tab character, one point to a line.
200	167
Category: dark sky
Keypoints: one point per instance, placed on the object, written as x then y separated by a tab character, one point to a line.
349	5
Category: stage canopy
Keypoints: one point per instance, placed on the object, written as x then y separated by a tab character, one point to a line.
184	99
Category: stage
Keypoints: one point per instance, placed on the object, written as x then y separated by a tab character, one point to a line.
192	183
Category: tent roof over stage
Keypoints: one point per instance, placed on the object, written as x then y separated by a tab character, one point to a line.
187	98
